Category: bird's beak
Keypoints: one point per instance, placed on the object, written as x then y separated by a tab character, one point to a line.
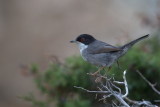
73	41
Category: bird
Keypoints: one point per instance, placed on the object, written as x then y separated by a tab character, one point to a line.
99	53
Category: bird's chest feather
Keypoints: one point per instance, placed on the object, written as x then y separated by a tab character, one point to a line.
82	48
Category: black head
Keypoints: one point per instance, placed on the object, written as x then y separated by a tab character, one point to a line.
85	39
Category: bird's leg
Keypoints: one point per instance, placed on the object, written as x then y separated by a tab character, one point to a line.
94	74
107	70
118	65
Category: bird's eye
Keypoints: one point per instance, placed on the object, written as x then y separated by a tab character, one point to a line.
82	40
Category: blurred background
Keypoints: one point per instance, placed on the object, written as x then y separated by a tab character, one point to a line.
31	31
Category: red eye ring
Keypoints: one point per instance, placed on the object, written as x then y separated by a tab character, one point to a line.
82	39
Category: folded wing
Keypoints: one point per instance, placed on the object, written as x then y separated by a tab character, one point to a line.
103	48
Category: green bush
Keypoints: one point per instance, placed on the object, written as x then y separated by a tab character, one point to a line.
58	80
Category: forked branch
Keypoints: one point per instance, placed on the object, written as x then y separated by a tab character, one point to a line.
109	88
149	83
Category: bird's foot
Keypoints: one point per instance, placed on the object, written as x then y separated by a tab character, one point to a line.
105	74
97	76
97	72
98	79
93	74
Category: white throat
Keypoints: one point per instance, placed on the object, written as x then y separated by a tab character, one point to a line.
82	47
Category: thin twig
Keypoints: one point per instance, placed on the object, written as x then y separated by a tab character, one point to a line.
157	101
105	96
120	99
149	83
139	103
102	92
118	82
116	88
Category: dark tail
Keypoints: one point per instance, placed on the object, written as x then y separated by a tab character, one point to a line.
130	44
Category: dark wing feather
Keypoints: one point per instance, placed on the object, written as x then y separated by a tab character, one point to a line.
107	49
103	48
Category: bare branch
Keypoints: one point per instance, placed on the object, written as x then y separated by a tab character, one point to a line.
149	83
119	89
109	89
102	92
118	82
139	103
125	84
157	101
105	96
